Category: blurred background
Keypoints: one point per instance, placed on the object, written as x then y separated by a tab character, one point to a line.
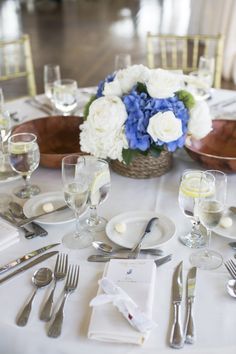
83	36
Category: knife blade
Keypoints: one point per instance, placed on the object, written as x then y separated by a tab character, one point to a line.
40	259
176	337
32	218
191	283
26	257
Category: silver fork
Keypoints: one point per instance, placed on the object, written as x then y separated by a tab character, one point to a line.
231	267
71	284
60	271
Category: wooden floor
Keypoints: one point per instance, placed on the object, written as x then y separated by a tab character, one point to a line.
82	36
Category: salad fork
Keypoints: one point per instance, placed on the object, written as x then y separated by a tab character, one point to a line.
231	267
60	271
71	284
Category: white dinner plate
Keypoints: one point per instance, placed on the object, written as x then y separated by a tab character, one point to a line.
135	221
229	232
34	206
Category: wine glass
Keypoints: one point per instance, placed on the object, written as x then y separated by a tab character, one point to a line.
5	122
76	190
206	70
122	61
24	158
51	74
99	186
189	194
65	96
210	210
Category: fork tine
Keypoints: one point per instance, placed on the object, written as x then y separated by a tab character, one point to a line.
77	276
57	261
231	267
66	264
228	269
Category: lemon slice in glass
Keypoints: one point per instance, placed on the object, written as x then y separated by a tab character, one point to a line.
21	148
195	185
101	179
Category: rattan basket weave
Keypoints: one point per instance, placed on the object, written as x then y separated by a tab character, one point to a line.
144	166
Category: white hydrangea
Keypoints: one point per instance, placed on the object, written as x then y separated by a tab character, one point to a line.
102	134
200	122
165	127
163	83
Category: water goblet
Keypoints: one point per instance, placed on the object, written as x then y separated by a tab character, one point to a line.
76	190
122	61
206	70
65	96
210	210
51	74
99	186
24	158
189	194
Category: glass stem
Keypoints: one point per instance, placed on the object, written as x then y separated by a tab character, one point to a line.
77	224
26	179
93	216
208	242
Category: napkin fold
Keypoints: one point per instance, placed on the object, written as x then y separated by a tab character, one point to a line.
137	279
8	235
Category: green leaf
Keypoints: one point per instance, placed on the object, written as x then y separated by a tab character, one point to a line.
155	150
88	104
141	87
186	97
128	155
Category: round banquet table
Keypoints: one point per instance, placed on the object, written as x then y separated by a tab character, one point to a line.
214	310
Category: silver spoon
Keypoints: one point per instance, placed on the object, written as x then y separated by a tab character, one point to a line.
231	287
104	247
41	278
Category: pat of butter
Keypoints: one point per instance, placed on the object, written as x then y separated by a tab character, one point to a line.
48	207
120	228
226	222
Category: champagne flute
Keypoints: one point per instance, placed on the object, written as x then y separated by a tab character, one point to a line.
122	61
206	70
210	209
24	158
189	193
65	96
100	182
76	190
5	122
51	74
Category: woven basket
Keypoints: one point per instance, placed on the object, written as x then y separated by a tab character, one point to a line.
144	166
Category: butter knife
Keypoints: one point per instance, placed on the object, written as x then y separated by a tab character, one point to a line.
191	282
40	259
26	257
176	337
32	218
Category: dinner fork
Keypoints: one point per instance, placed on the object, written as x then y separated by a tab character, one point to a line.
71	284
231	267
60	271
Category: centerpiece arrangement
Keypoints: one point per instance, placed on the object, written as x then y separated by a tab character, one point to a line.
139	117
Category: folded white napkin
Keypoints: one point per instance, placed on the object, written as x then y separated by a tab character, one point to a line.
9	235
137	279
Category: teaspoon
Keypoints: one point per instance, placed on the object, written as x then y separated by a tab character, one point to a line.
231	287
41	278
104	247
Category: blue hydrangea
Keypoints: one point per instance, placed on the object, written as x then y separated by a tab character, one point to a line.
101	84
140	108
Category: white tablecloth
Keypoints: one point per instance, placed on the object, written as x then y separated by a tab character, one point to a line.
215	311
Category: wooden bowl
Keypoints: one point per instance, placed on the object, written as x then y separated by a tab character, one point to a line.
58	136
218	149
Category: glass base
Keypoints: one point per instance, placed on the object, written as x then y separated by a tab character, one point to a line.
97	226
26	191
206	260
74	242
193	240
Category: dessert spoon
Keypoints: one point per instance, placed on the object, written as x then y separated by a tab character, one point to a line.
231	287
104	247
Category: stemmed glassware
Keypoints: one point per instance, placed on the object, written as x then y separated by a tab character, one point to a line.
189	193
24	158
99	186
122	61
65	96
76	191
5	122
210	210
206	69
51	74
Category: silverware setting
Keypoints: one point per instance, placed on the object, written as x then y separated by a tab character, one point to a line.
103	258
231	285
109	250
178	335
44	107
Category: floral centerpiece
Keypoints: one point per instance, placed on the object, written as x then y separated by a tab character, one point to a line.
141	111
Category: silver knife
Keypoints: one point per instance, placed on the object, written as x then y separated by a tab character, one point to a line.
101	258
32	218
26	257
191	282
176	337
40	259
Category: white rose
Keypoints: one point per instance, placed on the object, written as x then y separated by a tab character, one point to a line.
102	134
130	76
200	122
165	127
112	89
163	83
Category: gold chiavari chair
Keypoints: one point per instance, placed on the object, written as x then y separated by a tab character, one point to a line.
183	52
16	64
